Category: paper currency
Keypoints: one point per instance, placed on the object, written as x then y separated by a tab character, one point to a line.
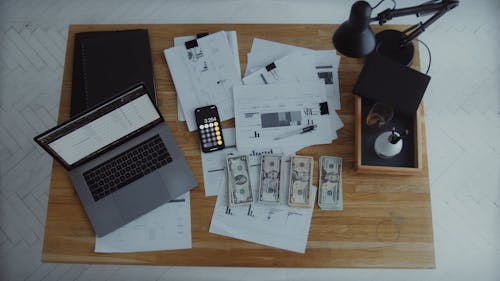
301	173
239	189
330	183
271	179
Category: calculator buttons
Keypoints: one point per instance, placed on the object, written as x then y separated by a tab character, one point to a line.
211	135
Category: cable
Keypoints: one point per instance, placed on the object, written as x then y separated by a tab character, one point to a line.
373	8
429	52
393	1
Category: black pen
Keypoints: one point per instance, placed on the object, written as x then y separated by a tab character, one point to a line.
297	132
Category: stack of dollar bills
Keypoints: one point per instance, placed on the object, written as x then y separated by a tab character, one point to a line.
330	183
271	187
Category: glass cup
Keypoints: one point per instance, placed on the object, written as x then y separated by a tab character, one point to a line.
379	115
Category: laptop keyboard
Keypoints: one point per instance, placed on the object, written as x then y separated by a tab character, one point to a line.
127	167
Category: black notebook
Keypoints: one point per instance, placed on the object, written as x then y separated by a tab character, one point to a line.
385	80
107	62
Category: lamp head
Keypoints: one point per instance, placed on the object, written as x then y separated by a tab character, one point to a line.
354	37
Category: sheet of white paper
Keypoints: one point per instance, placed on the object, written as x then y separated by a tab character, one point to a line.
214	163
265	112
294	67
204	75
264	51
168	227
277	226
326	63
298	67
233	44
327	67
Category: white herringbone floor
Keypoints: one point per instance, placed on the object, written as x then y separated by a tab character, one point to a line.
462	118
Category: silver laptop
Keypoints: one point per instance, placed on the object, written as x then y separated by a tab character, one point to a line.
122	159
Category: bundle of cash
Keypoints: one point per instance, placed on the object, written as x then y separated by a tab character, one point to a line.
239	189
271	179
330	183
300	184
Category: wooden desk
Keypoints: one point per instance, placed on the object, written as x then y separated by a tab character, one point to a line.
386	220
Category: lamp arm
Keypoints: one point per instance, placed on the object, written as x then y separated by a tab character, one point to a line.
421	27
440	8
388	14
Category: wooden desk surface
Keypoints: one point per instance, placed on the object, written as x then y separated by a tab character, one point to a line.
386	220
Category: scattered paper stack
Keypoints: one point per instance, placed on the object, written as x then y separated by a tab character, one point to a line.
286	101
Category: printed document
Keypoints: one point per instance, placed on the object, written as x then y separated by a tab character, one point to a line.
264	113
278	226
294	67
326	63
214	163
233	44
204	73
168	227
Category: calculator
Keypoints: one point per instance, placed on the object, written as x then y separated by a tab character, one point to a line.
209	128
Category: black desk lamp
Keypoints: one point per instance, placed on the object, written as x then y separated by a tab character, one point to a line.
355	38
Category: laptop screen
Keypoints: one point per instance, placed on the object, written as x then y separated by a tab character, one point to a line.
95	131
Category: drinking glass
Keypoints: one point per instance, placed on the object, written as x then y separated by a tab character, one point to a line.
379	115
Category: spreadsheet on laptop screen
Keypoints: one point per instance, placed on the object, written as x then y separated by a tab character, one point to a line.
105	130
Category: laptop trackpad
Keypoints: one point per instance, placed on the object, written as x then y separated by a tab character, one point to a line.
141	196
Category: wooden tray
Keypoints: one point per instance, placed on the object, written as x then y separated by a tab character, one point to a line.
408	162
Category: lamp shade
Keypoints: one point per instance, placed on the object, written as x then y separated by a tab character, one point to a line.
354	38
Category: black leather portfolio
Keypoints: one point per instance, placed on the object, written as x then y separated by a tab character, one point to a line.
385	80
107	62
